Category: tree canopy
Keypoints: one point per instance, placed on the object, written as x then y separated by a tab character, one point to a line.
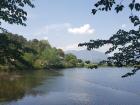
12	48
16	52
127	43
12	11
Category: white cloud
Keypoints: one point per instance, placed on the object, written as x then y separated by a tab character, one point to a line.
53	28
62	31
85	29
67	27
49	31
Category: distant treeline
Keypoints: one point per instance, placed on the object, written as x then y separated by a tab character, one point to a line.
16	52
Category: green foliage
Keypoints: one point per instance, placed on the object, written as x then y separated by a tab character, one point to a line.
87	62
91	66
69	57
12	47
30	57
126	42
70	60
11	11
79	61
18	53
107	5
46	57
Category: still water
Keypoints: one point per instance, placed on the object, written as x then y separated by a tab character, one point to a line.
76	86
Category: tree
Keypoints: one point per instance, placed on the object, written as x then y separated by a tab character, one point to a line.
87	62
79	60
11	11
71	60
46	56
12	48
126	42
61	53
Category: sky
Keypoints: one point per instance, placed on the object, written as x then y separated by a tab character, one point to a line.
65	23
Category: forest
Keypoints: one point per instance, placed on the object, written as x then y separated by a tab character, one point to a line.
16	52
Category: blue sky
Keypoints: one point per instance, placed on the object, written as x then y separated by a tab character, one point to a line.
65	23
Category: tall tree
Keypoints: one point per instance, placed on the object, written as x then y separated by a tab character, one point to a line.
12	48
12	12
127	42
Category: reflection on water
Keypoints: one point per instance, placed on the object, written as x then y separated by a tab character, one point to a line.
103	86
14	86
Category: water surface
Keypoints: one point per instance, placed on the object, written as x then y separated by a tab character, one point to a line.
79	86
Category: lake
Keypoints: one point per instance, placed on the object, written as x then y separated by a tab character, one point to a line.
75	86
